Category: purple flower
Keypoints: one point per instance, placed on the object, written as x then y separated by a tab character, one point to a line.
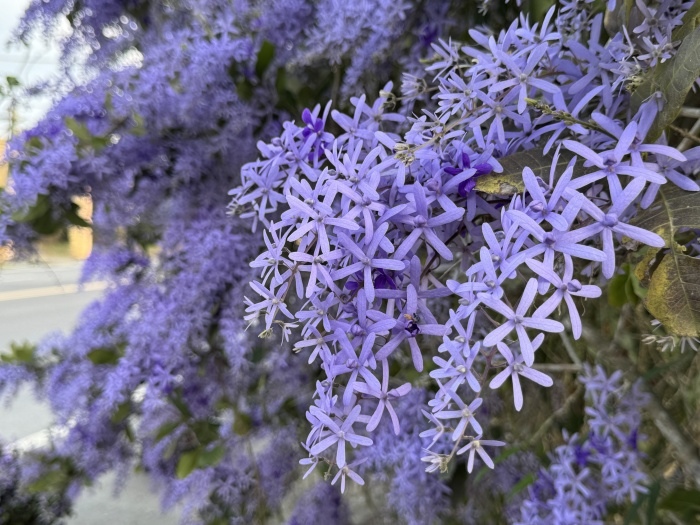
477	445
366	260
366	321
498	110
465	414
317	268
610	163
516	367
458	368
565	288
272	302
437	430
339	434
523	77
384	396
408	327
346	471
607	223
551	243
516	320
491	283
423	226
545	209
347	361
315	219
318	341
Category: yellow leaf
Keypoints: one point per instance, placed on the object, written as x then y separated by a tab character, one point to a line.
674	294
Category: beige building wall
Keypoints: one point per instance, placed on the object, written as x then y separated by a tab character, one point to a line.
5	251
4	168
80	238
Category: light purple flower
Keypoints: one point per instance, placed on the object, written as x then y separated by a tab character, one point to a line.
516	367
366	260
516	320
346	471
423	226
464	412
339	434
384	396
477	446
408	327
565	288
607	223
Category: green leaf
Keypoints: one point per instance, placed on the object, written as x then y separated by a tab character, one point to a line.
629	290
103	356
245	90
644	269
510	180
265	56
521	485
34	143
23	352
683	502
180	404
122	412
635	288
166	429
187	463
41	207
40	216
674	294
652	500
691	20
79	130
634	512
242	423
52	480
674	284
139	128
206	431
674	208
673	78
680	363
72	216
85	138
618	17
12	81
617	293
209	458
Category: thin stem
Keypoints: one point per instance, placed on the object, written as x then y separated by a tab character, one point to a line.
558	367
570	349
567	118
686	142
566	407
435	255
690	112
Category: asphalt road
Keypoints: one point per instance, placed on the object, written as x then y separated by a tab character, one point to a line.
36	300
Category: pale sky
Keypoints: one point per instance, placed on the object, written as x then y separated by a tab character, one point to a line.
29	64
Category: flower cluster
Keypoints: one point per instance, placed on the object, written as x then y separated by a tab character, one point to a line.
603	467
453	241
160	370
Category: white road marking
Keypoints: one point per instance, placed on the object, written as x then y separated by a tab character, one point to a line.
66	289
41	439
